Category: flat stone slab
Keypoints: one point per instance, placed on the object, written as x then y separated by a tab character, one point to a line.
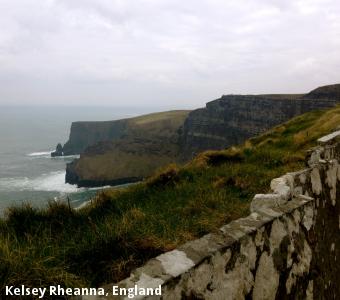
328	138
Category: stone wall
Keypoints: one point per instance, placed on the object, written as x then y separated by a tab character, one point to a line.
287	248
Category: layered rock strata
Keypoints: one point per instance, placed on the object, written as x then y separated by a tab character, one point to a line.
232	119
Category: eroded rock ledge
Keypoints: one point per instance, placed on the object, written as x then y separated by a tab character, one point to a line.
287	248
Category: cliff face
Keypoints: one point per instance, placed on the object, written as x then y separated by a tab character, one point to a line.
232	119
84	134
128	151
124	161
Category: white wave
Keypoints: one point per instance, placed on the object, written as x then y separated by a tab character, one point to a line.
100	188
47	154
43	153
67	156
52	182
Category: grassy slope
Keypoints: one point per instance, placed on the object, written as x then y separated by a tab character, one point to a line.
154	117
282	96
160	124
123	228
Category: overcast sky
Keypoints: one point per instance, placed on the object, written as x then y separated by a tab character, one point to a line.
179	53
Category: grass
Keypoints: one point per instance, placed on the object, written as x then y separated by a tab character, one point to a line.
121	229
172	115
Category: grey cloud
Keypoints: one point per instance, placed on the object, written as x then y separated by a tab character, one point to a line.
170	51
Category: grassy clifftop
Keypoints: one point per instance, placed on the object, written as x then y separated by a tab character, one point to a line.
121	229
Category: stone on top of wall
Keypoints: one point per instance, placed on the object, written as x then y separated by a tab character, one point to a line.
333	137
287	248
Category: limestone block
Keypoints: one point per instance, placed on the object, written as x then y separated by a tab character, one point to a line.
266	279
261	202
281	187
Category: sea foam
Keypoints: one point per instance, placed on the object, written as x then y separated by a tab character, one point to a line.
52	182
47	154
42	153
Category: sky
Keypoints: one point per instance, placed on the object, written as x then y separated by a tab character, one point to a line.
172	53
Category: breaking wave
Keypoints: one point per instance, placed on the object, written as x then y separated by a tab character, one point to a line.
52	182
47	154
43	153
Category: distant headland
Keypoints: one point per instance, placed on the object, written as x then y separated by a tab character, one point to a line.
128	150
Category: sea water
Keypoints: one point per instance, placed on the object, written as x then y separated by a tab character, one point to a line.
28	173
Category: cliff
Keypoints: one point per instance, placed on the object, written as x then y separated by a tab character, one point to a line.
223	122
232	119
125	150
129	150
84	134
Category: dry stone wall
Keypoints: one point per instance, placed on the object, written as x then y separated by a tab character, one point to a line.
287	248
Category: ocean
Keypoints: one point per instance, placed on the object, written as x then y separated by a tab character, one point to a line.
27	137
